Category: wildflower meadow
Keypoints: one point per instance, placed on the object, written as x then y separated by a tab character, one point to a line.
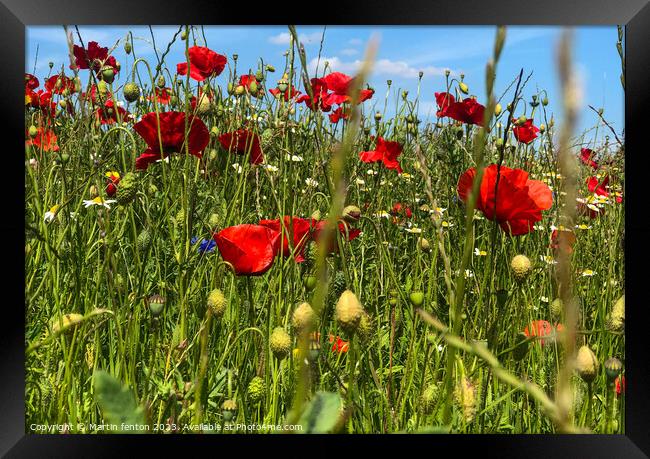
216	248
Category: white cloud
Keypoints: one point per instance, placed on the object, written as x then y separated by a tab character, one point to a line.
305	38
380	67
355	41
349	51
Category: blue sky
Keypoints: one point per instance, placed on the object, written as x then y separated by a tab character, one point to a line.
403	52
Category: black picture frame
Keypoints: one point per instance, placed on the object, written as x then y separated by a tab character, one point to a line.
15	15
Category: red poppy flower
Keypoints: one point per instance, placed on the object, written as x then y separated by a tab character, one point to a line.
247	80
31	82
386	152
250	249
109	113
45	140
172	136
339	114
161	95
297	230
41	100
595	186
204	63
539	328
341	85
243	142
570	238
276	93
444	101
338	345
57	84
519	203
619	385
525	133
587	157
94	57
111	186
346	231
319	91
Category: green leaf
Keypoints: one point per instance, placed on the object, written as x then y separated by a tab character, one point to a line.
322	413
118	404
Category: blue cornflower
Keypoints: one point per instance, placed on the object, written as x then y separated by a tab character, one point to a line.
206	245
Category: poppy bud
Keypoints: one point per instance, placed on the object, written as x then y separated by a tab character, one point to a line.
465	395
303	317
228	410
348	311
497	109
429	397
521	267
256	389
351	214
424	245
143	242
309	282
213	221
365	328
420	74
184	35
587	364
521	120
378	116
557	308
216	303
239	90
108	74
131	91
613	367
259	75
405	94
160	82
545	101
156	304
416	298
65	158
127	47
542	128
463	88
33	131
280	343
616	320
127	189
67	323
102	87
270	68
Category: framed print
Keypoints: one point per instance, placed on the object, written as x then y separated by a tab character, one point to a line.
410	219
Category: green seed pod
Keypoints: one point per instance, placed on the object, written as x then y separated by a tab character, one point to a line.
270	68
127	47
108	74
416	298
33	131
613	367
309	282
228	410
213	221
156	304
131	91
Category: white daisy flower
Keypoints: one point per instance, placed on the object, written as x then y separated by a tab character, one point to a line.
360	182
583	227
237	167
294	158
413	230
549	260
543	299
270	167
51	214
98	201
372	172
311	182
479	253
382	213
587	273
